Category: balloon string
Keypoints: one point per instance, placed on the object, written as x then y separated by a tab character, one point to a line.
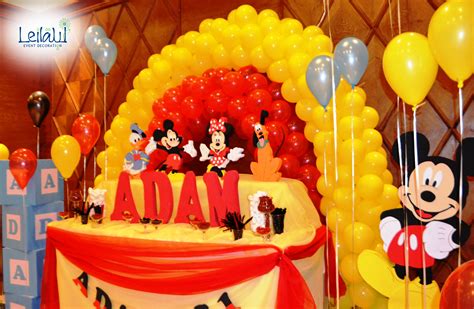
327	227
353	186
461	165
84	179
335	164
66	205
417	175
329	19
105	124
93	113
399	17
38	142
390	16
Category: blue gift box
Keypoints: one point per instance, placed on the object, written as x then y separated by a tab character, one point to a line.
24	227
16	301
45	186
22	272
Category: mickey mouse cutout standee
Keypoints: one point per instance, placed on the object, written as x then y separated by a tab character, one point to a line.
219	154
169	140
427	226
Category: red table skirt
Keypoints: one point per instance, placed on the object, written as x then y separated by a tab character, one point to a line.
179	268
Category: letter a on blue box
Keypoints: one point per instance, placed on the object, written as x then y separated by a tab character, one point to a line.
22	272
45	186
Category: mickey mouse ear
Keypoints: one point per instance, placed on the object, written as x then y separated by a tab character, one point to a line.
404	148
467	154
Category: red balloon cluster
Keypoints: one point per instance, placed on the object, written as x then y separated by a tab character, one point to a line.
240	96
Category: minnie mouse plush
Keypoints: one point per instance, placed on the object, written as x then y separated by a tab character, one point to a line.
431	226
219	154
169	141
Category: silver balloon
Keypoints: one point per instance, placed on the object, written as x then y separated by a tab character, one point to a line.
352	58
92	34
104	54
319	78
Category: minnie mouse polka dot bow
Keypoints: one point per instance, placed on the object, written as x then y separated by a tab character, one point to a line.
217	125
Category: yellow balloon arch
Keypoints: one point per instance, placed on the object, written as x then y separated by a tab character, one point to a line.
282	48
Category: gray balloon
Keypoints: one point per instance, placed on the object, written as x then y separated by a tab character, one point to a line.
319	78
352	58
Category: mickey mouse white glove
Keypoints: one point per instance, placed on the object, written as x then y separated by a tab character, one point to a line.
204	153
189	149
438	239
235	154
389	227
151	146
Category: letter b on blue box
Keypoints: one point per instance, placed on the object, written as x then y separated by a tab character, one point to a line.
24	227
22	272
15	301
45	186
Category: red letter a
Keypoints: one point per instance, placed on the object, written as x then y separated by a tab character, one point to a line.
124	199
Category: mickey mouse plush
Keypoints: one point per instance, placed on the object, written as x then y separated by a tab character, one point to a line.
219	153
169	141
432	205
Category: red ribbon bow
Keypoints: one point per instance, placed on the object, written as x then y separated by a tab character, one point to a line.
217	125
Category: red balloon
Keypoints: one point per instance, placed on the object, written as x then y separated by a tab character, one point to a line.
277	132
86	130
187	84
289	166
22	166
259	99
458	290
217	101
308	158
248	70
308	174
220	74
172	99
159	108
280	110
295	124
234	84
237	108
247	124
295	144
197	127
192	107
201	88
275	90
154	124
178	120
257	81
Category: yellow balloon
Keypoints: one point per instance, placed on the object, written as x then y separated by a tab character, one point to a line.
167	51
66	153
303	89
148	79
323	119
324	144
326	204
109	138
451	38
370	117
245	14
349	270
351	151
205	43
4	152
372	139
121	128
101	159
230	37
221	56
389	198
374	163
370	186
409	67
318	45
325	165
304	111
98	180
113	156
278	71
205	25
125	110
269	25
352	104
250	36
259	59
370	216
339	217
217	27
162	69
289	91
293	44
362	294
350	127
267	13
345	197
273	46
311	31
152	59
149	97
239	57
347	175
290	26
362	235
181	57
190	40
325	185
298	63
387	177
134	98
